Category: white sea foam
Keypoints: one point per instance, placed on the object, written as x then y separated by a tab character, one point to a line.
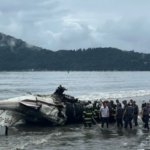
33	142
114	95
125	144
18	147
41	141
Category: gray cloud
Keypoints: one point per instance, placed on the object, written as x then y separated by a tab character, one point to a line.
132	33
66	24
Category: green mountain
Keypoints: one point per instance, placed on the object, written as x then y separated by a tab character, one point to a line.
17	55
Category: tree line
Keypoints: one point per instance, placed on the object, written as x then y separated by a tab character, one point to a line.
21	57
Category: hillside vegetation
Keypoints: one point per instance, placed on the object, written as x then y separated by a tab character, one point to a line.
17	55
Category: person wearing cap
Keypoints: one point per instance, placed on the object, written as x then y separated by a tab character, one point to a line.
129	114
135	113
145	115
104	114
119	115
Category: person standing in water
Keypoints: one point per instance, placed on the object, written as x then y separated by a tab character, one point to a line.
135	113
145	115
124	108
129	114
104	114
119	115
87	115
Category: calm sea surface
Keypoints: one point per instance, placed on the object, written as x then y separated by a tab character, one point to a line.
85	86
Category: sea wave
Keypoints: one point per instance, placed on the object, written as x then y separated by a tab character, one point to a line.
36	142
114	95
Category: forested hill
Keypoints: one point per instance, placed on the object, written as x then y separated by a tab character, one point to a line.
16	55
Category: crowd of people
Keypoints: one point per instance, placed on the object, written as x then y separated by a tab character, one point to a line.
123	114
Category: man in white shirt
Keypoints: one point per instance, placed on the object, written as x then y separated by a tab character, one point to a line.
104	114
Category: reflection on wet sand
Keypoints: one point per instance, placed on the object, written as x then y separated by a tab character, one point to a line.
75	136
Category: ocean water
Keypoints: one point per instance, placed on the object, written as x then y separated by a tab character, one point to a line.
85	86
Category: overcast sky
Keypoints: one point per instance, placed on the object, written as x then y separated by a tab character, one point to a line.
74	24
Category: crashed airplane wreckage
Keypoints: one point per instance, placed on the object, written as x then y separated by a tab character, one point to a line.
56	108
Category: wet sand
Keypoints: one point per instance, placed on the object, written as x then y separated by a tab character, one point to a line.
75	136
